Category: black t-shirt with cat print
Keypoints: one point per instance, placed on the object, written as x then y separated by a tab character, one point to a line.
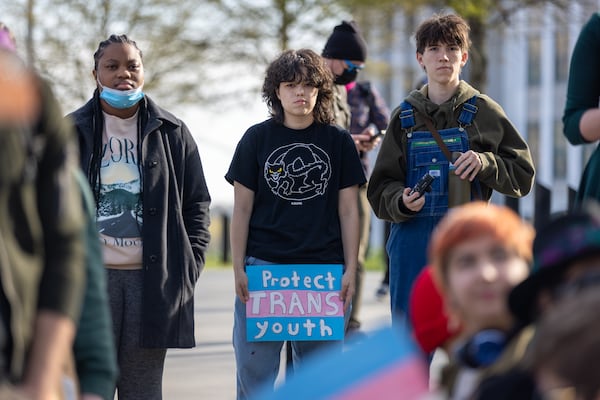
296	176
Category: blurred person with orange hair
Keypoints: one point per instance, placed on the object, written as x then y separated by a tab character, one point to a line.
478	253
432	330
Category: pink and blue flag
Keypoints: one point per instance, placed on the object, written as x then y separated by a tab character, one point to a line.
384	366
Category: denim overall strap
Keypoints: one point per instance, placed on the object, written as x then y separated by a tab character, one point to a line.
468	112
407	115
465	119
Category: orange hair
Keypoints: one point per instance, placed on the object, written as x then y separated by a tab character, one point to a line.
474	220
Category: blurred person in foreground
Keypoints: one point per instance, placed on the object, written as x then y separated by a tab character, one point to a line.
41	233
566	254
433	331
478	253
95	370
565	350
431	326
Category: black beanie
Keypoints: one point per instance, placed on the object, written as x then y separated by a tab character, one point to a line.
346	43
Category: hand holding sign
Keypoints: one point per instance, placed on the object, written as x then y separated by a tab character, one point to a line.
348	289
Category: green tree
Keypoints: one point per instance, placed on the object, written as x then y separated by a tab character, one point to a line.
480	14
59	39
249	34
194	52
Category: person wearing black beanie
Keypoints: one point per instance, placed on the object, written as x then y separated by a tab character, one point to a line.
345	52
346	42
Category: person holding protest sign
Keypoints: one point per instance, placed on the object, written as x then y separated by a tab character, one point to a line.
296	178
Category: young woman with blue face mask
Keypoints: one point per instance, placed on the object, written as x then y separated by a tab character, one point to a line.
152	215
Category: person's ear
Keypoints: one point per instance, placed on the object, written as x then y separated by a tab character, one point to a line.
464	58
419	57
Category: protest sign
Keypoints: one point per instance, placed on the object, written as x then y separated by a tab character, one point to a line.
294	302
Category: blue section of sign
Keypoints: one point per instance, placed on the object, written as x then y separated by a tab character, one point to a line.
323	277
296	329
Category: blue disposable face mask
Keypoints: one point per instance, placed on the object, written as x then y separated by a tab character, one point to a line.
121	98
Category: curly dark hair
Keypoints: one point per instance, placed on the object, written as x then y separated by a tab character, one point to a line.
298	66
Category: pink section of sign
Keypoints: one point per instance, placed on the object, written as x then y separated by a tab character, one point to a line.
294	303
403	381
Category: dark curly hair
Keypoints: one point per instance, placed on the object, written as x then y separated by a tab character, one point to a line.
298	66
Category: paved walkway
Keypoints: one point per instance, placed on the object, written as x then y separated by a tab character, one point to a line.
208	370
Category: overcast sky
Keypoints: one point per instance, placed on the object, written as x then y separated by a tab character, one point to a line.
217	134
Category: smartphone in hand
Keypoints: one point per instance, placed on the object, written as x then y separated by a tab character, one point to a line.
378	134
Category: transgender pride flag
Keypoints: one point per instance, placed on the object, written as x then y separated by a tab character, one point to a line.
384	366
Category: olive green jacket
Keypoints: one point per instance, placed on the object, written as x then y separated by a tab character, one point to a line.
41	227
507	162
341	108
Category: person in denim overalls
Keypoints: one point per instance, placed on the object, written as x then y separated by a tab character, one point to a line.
493	155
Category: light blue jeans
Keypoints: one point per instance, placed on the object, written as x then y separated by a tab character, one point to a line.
258	362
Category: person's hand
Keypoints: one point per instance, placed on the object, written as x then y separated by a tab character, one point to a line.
414	202
468	165
241	284
348	288
364	141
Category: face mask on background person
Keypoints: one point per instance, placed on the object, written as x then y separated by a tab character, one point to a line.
121	98
346	43
346	77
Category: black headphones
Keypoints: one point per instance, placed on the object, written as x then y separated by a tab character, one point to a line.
483	349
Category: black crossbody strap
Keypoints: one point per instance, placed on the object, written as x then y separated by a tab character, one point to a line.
438	139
